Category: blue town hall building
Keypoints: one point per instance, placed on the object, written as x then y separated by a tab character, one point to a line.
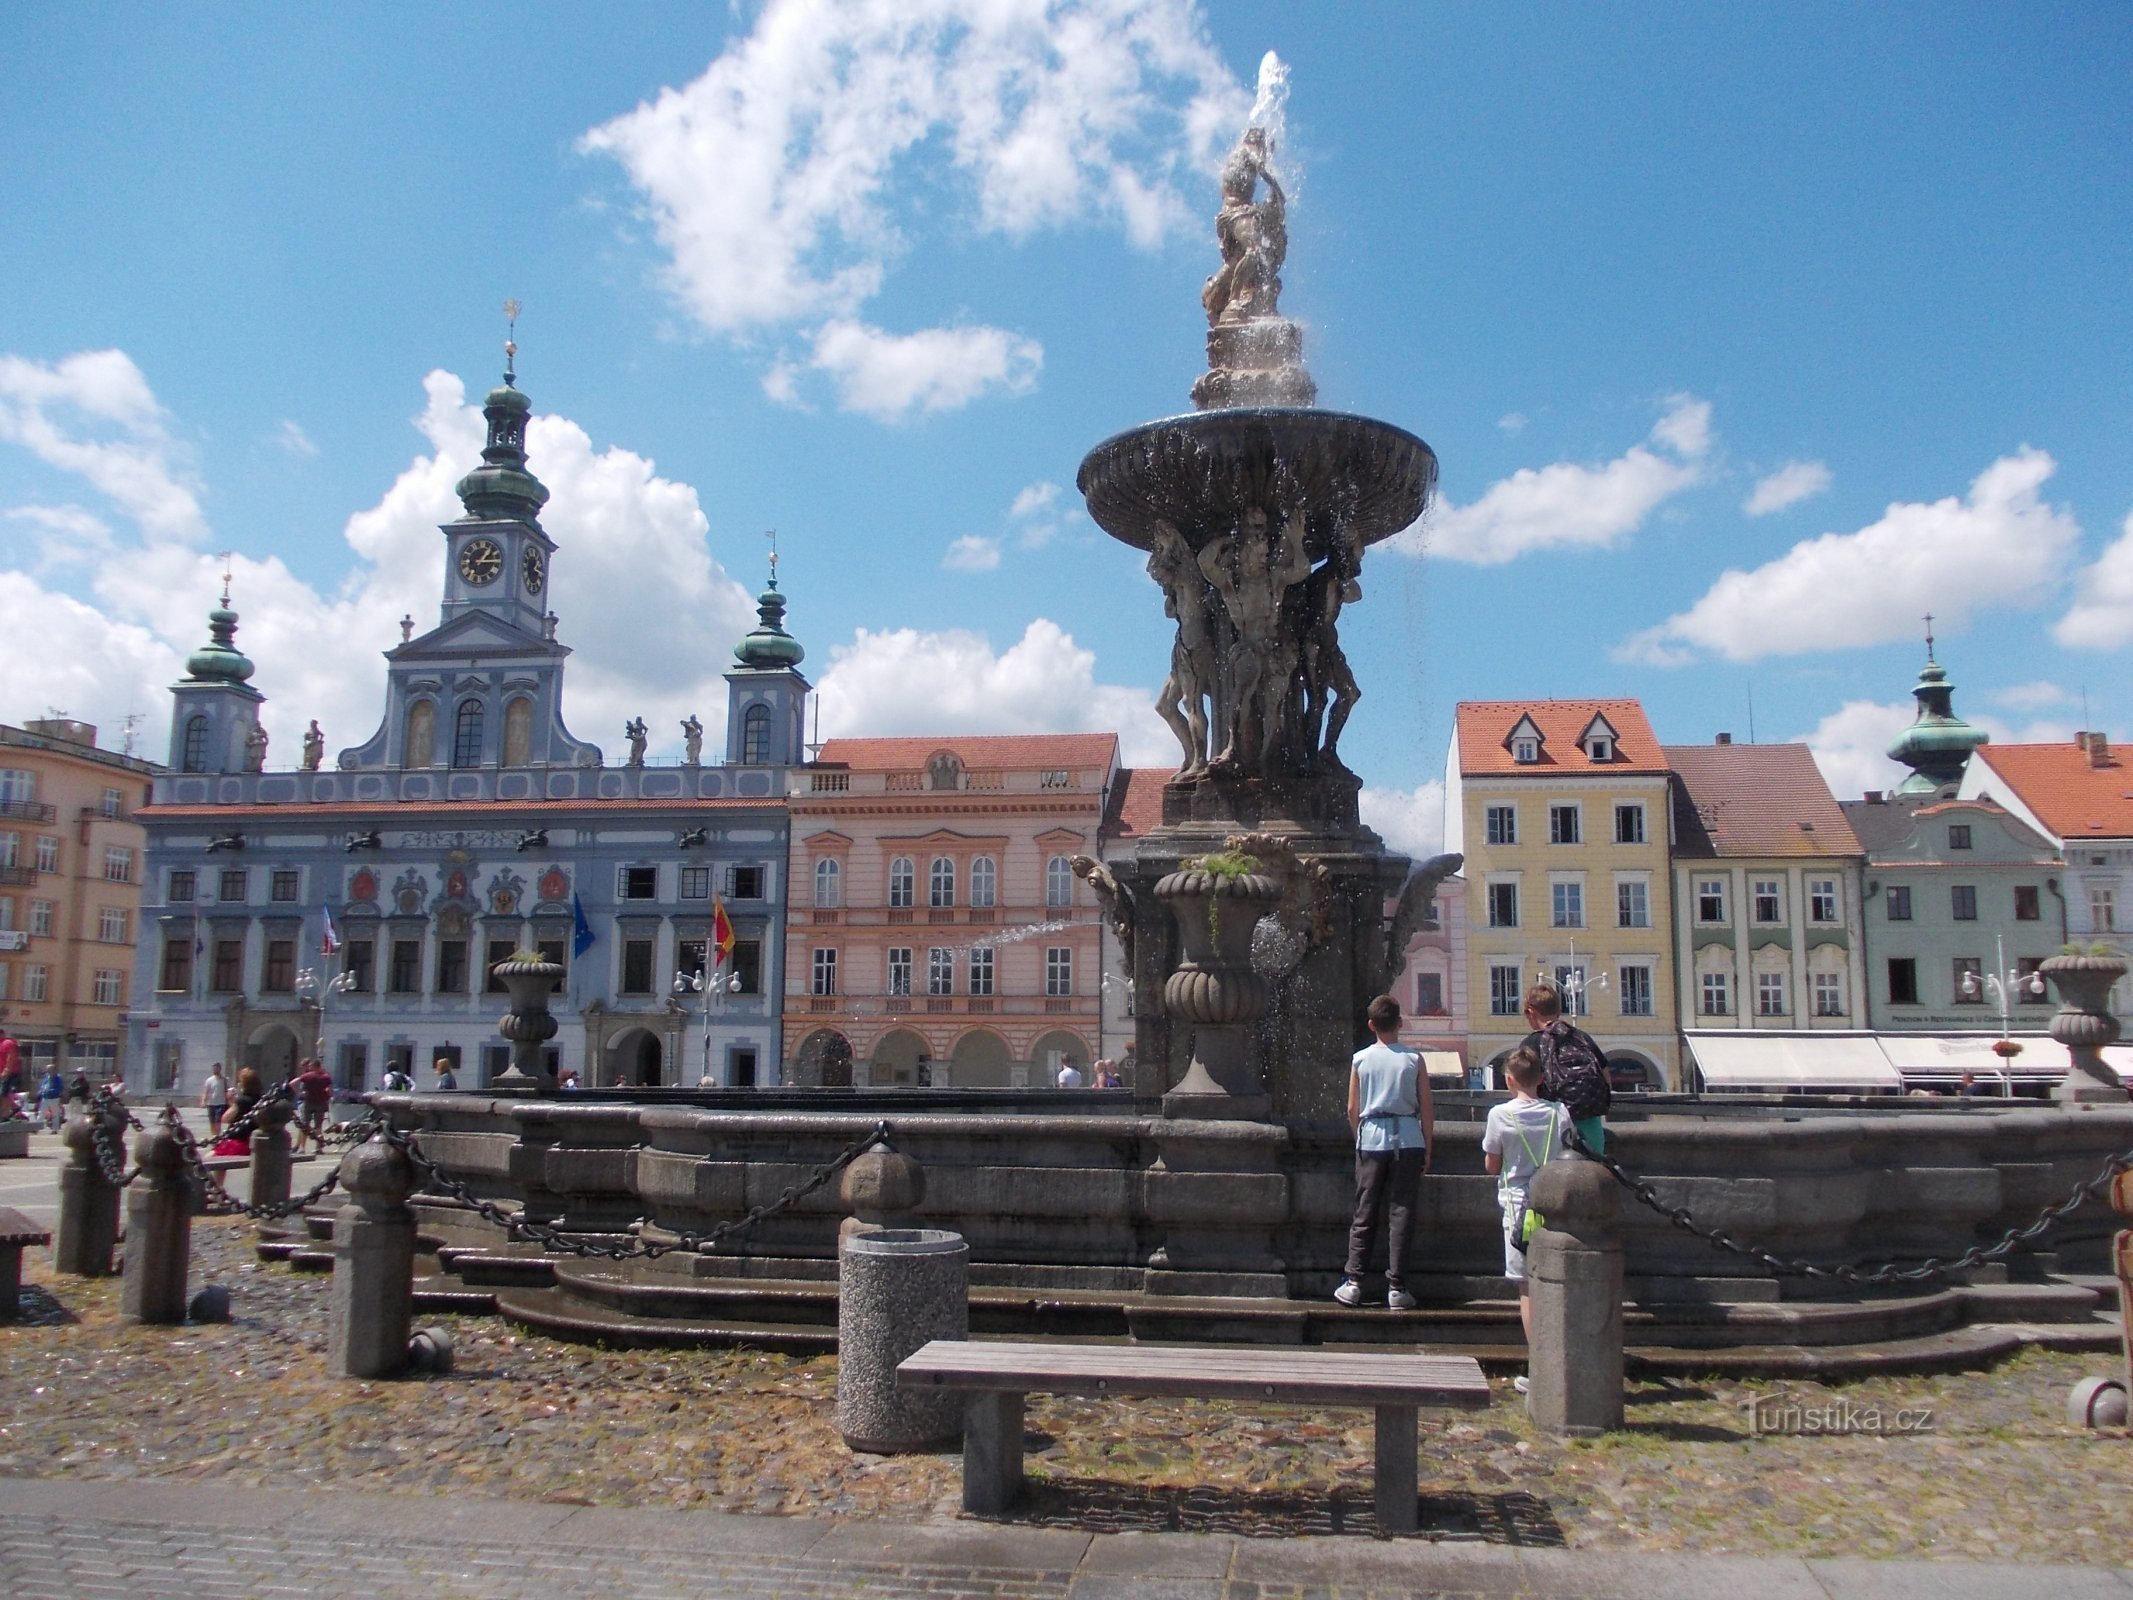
470	823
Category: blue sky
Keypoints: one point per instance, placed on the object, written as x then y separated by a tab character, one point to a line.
1745	336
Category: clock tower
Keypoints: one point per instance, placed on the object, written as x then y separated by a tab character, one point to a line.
496	556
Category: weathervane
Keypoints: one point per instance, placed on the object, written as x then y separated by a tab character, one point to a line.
772	535
1929	638
226	557
511	311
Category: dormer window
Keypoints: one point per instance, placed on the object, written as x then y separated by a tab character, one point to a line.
1600	747
1525	750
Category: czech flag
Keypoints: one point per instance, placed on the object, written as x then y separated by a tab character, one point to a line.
721	931
329	936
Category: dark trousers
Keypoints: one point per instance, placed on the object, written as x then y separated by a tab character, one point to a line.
1384	1180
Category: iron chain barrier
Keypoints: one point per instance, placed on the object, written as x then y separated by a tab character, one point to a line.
216	1199
1886	1273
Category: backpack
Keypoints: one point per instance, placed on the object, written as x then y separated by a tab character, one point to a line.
1576	1072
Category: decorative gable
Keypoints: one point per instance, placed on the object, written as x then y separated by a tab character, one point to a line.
1599	740
1525	741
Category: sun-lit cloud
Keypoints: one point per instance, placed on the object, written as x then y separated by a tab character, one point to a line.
2031	696
2101	617
94	415
1789	485
1411	821
890	376
973	552
290	436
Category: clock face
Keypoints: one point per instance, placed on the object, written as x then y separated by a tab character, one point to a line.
480	560
536	573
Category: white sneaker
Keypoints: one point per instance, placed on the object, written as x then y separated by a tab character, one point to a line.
1350	1293
1522	1384
1399	1300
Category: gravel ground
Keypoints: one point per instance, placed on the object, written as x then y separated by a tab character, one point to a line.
1994	1474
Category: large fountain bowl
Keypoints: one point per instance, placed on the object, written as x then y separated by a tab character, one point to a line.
1355	478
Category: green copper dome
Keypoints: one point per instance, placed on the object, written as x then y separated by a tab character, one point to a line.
1937	746
501	489
768	647
219	660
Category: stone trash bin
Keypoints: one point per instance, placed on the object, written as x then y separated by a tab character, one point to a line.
898	1289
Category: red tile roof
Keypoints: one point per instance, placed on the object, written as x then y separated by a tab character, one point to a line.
981	751
2069	795
1755	800
1136	801
1485	726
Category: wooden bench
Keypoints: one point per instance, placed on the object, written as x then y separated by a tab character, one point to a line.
996	1374
16	1231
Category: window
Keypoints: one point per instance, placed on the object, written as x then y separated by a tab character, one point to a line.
359	959
1506	996
177	969
2027	905
740	1065
1903	981
1501	824
823	980
1958	836
940	971
903	882
1059	882
981	970
1429	994
466	734
755	736
194	758
48	854
354	1071
111	925
1969	977
499	950
1635	990
689	956
1770	998
637	967
10	849
17	786
1570	983
281	885
1563	825
2103	909
1769	898
451	966
110	987
556	953
35	980
1629	824
277	974
41	918
1829	994
118	861
183	888
745	883
1503	905
1717	995
1600	748
940	883
1822	899
638	883
1962	902
984	881
421	733
1899	902
1633	903
1567	904
231	888
900	970
228	974
1710	899
696	883
114	803
1525	750
406	974
2029	981
746	964
1058	970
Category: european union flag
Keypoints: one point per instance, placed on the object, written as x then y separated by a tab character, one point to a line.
581	931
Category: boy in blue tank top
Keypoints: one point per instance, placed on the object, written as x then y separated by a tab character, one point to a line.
1389	1109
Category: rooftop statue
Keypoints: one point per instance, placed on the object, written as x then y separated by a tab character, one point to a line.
1254	236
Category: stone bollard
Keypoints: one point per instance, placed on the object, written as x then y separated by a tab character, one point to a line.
88	1206
373	1264
1575	1264
898	1289
881	1189
270	1152
159	1232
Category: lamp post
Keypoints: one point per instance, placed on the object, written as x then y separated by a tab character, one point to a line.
1570	981
714	985
2004	985
312	992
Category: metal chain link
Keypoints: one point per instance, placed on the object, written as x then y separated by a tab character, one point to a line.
1887	1272
216	1198
107	1113
554	1239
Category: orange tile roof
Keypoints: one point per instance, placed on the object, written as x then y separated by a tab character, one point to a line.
1485	725
451	808
1755	800
1136	801
2069	796
974	750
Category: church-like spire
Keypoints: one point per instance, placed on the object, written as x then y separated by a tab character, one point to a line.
219	660
501	489
1936	747
768	647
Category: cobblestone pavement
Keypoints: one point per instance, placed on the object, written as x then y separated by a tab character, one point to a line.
1996	1475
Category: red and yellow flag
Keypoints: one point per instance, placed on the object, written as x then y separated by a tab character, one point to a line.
721	931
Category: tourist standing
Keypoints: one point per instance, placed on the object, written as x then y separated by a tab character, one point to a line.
1069	1075
1522	1135
249	1089
313	1085
1390	1112
1573	1067
10	1075
447	1079
215	1097
52	1100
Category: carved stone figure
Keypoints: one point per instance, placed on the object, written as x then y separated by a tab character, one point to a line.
1414	912
1115	898
1329	687
255	748
1251	570
1253	235
636	732
314	746
692	740
1285	934
1191	684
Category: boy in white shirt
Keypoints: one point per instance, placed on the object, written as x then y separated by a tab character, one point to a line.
1522	1134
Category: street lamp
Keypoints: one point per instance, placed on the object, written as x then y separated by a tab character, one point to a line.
1570	981
311	992
714	986
2004	986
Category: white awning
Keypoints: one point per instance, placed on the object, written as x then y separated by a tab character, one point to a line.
1941	1056
1831	1062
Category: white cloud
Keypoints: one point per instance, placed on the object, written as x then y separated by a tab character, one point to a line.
2101	617
66	535
1034	499
901	680
1999	546
2031	696
1789	485
972	553
1568	504
1037	515
783	182
888	376
94	415
291	437
1409	820
1512	422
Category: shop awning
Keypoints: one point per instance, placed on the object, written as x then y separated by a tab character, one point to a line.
1833	1063
1938	1057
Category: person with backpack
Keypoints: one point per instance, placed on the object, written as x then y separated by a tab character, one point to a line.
1523	1134
1573	1067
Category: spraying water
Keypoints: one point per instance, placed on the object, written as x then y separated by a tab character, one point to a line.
1270	110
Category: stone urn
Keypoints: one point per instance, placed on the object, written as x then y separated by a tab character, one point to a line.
2084	1024
1216	991
528	975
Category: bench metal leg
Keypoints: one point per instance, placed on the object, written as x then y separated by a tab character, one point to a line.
992	1452
1396	1480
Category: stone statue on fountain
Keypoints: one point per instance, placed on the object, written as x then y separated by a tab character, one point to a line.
1194	665
1253	234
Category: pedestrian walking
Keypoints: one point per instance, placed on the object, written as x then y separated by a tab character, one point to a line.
1390	1113
215	1098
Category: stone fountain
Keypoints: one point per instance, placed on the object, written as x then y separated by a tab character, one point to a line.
1255	916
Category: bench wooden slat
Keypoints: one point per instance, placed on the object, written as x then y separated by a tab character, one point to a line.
1288	1374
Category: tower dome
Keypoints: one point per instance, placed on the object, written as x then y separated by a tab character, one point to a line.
501	489
1936	747
767	646
219	660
